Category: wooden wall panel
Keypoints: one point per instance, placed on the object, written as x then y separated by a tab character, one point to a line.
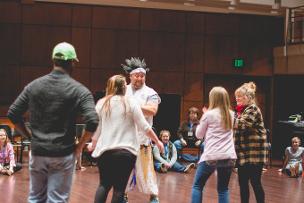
162	20
30	73
194	52
246	44
4	109
228	51
163	51
295	64
110	48
82	16
260	54
116	18
103	48
99	78
82	76
251	25
47	14
212	50
188	104
277	31
171	82
193	90
222	24
9	87
280	65
39	41
10	39
81	39
273	30
10	12
195	23
181	48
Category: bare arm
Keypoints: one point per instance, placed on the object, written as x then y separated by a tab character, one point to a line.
153	136
202	127
285	162
82	142
97	133
285	159
95	137
149	109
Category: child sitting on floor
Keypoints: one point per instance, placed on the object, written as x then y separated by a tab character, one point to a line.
7	159
293	158
168	160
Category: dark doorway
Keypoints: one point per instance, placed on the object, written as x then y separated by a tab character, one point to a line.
168	115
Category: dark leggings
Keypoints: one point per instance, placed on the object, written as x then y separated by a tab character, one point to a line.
18	167
114	167
252	173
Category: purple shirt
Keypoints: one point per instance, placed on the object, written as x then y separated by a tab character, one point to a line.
219	144
7	155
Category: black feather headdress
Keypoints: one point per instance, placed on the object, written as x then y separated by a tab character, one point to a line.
134	63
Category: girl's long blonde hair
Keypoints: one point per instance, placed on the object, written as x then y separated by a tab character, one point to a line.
116	85
219	98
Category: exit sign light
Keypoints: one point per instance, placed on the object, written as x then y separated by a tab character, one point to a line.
238	63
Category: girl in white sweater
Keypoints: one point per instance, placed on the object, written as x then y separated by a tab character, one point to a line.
115	141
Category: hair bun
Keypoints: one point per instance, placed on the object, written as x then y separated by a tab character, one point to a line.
251	85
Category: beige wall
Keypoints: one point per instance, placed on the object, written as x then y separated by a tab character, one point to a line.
289	60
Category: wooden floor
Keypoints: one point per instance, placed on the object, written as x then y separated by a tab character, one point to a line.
174	188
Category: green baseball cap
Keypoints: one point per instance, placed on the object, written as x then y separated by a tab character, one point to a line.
64	51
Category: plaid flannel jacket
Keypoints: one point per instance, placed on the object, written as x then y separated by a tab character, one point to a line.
250	137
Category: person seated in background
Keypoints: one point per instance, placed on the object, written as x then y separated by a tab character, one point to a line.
8	165
186	135
167	161
293	158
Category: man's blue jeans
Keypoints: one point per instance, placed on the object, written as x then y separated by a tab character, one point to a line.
203	172
187	157
50	178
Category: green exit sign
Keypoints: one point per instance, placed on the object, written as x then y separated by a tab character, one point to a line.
238	63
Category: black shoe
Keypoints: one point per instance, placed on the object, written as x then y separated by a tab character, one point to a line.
125	199
163	168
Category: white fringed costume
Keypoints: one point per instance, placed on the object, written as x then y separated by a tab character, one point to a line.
144	169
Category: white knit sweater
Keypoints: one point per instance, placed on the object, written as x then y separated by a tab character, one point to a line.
119	130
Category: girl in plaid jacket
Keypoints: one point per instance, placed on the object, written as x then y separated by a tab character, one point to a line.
250	142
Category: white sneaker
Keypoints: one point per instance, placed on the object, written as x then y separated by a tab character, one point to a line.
189	167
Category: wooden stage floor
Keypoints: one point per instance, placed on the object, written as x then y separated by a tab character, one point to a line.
174	188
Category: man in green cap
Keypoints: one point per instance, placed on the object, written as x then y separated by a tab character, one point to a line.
53	102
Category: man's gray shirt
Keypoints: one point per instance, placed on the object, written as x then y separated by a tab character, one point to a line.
54	102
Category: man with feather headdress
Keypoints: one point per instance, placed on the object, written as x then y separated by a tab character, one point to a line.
148	99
